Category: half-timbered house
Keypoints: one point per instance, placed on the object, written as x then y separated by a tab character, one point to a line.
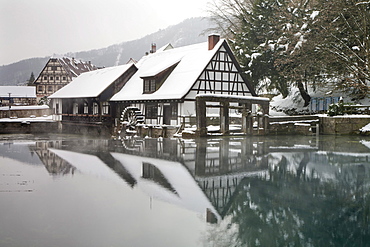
85	101
167	82
57	73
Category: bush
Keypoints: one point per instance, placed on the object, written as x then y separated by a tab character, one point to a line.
340	108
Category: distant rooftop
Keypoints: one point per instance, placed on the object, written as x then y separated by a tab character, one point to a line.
17	92
75	67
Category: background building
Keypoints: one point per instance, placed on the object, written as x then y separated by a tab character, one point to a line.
57	73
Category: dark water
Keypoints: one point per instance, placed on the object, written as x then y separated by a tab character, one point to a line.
280	191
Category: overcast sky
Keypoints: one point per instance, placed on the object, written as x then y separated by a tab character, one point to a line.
39	28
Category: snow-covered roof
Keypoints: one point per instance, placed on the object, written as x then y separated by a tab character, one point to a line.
17	91
91	84
192	60
165	47
75	67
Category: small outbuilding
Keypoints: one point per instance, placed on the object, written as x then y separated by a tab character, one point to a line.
17	95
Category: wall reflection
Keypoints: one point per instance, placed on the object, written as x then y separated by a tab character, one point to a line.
274	191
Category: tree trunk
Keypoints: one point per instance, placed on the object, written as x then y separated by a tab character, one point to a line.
306	97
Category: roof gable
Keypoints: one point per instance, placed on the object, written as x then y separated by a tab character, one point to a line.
222	75
71	67
93	83
191	62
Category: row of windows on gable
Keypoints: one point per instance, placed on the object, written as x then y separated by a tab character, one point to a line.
54	68
57	78
49	89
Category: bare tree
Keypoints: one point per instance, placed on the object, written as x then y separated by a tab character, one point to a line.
228	15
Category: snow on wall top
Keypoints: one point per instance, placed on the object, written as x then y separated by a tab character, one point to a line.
91	84
18	91
192	61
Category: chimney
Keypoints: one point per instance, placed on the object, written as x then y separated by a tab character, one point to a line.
213	40
154	48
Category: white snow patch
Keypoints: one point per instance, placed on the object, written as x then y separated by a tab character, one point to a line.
254	56
366	128
314	14
28	107
29	119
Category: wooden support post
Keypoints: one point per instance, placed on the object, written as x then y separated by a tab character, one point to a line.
249	119
259	118
224	118
200	154
201	117
244	119
250	123
266	121
224	156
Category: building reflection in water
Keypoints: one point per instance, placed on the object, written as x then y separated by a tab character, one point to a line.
54	164
289	189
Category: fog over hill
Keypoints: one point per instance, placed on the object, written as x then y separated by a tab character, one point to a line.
190	31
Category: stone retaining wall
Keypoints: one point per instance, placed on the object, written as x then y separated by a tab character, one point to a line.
25	113
342	125
28	127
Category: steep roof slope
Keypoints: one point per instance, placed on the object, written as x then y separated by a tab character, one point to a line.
192	60
91	84
76	67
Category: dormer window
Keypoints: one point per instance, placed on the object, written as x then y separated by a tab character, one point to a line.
155	77
149	85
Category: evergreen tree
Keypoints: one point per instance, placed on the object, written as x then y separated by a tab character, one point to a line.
31	80
299	60
255	46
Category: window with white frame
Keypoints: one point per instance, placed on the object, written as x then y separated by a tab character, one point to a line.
149	85
75	108
105	108
151	111
86	108
95	108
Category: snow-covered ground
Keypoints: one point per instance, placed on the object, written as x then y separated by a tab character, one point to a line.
294	103
365	128
279	106
26	107
29	119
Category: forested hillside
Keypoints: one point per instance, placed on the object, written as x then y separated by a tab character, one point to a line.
187	32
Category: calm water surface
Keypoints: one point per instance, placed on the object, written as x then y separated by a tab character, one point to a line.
279	191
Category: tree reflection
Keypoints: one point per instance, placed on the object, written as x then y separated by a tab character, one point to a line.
291	208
